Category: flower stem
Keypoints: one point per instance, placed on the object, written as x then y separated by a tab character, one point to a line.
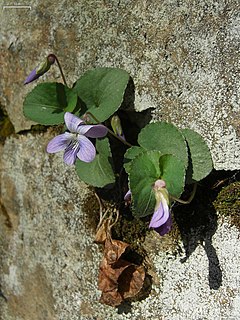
94	118
119	138
190	198
61	71
110	131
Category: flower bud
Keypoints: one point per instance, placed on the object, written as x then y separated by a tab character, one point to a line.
41	69
116	125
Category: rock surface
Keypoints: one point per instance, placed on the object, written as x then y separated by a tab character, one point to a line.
184	58
49	262
182	55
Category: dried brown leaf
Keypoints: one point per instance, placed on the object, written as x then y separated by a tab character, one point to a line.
114	249
131	281
112	298
119	281
108	276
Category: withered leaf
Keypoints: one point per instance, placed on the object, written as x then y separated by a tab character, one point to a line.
112	298
108	275
118	279
131	281
114	249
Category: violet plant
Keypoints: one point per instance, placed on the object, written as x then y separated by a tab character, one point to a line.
164	159
75	142
41	69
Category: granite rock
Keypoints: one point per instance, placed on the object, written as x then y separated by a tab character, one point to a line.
182	55
184	58
49	261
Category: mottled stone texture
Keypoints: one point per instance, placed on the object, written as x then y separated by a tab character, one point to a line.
49	262
183	57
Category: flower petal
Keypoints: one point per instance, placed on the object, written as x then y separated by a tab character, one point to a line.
128	196
59	143
157	216
70	153
87	151
32	76
161	214
72	122
160	184
165	228
93	131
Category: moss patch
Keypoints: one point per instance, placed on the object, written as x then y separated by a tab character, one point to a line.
227	203
6	127
90	206
132	231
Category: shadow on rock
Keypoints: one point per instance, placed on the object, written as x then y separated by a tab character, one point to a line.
197	223
126	306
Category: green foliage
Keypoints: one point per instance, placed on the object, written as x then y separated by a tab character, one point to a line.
173	173
47	103
200	160
145	169
164	151
168	162
166	138
102	91
72	101
99	172
130	154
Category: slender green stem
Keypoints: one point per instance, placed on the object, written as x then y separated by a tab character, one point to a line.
61	71
190	198
91	115
110	131
119	138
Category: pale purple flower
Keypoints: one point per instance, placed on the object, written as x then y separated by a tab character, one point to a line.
41	69
165	228
128	197
161	219
32	76
75	142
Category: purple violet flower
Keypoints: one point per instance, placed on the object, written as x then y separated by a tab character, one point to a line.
41	69
165	228
161	220
75	143
128	197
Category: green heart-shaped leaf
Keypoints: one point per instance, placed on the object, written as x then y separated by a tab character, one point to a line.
99	172
144	171
166	138
47	102
102	91
200	164
130	154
